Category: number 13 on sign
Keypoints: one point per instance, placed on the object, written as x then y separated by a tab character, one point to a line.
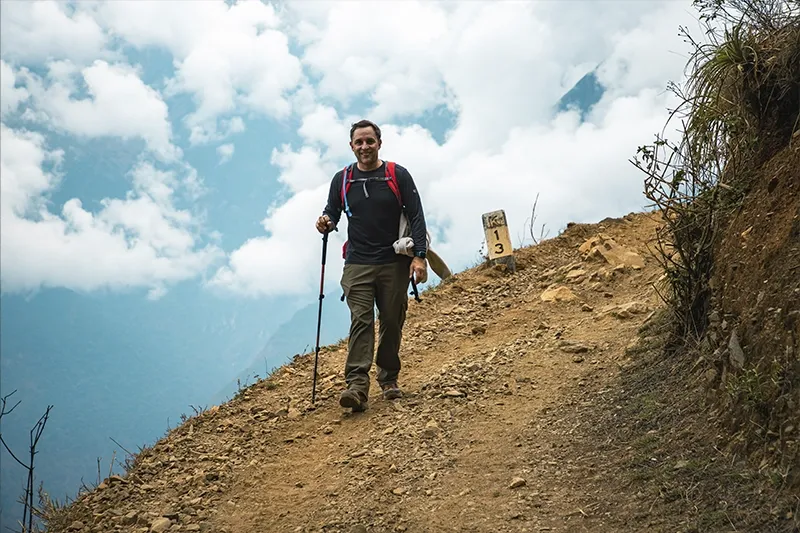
498	240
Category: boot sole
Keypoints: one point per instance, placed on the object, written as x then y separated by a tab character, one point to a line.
352	403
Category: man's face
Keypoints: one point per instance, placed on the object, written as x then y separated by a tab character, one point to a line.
365	146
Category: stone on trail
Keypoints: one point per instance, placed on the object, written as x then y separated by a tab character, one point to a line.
160	525
517	482
558	294
604	247
431	429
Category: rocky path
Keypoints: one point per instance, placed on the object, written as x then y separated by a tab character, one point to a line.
497	369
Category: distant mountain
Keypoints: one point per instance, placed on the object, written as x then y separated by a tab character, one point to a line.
583	95
297	335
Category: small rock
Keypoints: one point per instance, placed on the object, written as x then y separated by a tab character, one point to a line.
454	393
736	353
681	464
431	429
130	518
359	453
77	525
358	529
160	525
558	294
573	347
327	430
389	430
398	491
479	330
577	359
574	274
517	482
586	308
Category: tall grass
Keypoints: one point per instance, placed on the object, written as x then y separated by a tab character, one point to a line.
739	105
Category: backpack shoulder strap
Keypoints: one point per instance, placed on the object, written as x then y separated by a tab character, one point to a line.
391	173
347	176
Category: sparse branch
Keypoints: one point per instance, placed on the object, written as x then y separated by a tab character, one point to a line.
11	453
4	409
121	446
36	432
530	224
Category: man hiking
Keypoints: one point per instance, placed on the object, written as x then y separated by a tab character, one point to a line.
374	194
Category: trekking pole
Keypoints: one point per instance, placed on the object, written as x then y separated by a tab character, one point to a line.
319	315
414	290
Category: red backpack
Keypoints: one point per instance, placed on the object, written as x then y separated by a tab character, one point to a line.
347	180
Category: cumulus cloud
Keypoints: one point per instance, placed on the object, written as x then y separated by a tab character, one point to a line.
141	240
119	104
11	96
501	68
228	58
50	30
280	262
225	152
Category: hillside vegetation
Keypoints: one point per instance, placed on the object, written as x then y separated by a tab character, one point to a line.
638	374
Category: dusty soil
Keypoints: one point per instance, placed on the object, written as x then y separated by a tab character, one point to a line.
520	415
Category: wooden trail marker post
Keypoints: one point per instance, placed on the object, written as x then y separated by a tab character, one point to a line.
498	239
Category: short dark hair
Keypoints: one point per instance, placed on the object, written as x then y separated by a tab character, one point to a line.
365	124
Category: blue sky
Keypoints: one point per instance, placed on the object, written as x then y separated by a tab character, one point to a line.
163	163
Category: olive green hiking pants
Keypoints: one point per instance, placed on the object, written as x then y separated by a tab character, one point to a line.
366	286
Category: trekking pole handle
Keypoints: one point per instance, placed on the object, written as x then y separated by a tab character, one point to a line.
414	290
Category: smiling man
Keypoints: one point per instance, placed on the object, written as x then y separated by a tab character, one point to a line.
374	194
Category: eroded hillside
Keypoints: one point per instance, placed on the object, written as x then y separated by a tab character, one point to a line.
538	401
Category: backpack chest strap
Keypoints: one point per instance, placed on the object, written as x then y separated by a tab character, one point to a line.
347	180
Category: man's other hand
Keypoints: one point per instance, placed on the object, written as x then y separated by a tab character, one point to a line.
419	270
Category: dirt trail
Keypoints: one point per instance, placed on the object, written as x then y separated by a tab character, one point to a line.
498	430
483	357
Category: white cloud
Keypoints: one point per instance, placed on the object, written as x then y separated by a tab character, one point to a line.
36	32
636	64
280	263
10	96
119	104
225	152
141	240
502	67
227	57
499	66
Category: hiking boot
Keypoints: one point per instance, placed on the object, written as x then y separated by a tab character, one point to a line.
353	399
391	391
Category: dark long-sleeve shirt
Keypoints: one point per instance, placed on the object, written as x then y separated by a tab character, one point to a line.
373	227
